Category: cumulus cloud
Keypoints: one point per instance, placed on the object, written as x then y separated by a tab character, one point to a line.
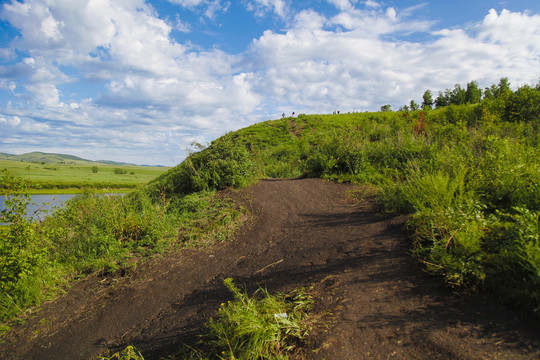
149	80
309	19
343	5
359	68
372	4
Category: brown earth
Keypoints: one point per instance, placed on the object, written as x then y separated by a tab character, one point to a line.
373	299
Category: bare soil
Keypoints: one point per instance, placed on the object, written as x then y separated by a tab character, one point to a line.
373	301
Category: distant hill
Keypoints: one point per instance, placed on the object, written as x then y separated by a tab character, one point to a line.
51	158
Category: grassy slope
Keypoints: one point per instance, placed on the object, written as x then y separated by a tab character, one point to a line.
281	147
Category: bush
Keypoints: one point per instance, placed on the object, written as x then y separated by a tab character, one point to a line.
223	164
23	249
260	327
513	263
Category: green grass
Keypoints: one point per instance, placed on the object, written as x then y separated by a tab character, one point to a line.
260	326
129	353
59	177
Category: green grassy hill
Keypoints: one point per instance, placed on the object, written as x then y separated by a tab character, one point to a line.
467	175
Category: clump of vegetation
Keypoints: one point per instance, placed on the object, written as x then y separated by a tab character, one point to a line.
129	353
223	164
22	249
264	326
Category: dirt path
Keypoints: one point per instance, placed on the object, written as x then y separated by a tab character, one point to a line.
304	233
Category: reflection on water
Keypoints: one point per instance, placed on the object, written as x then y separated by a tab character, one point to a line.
42	204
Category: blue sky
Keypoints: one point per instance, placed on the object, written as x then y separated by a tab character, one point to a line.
138	81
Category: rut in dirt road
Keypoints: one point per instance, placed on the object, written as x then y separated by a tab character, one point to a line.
304	232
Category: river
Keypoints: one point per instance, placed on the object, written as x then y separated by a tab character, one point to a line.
42	204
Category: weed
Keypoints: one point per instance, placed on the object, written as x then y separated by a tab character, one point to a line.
260	327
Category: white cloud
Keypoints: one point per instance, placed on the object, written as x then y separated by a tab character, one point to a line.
343	5
12	121
359	69
372	4
391	13
188	3
261	7
181	26
309	19
210	7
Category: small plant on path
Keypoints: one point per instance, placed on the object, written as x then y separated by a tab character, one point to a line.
260	327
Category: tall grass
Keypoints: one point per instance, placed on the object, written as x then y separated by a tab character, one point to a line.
466	188
224	163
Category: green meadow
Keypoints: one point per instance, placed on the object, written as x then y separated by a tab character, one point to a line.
72	178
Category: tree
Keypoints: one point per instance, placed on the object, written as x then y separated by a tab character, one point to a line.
427	99
95	169
473	94
523	105
442	100
386	107
503	88
413	106
499	90
457	95
404	108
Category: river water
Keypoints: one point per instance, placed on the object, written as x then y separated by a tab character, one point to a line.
43	204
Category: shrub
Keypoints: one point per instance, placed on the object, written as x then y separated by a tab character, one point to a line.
260	327
513	262
22	249
223	164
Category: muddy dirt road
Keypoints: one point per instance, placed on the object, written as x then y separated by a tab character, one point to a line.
304	232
